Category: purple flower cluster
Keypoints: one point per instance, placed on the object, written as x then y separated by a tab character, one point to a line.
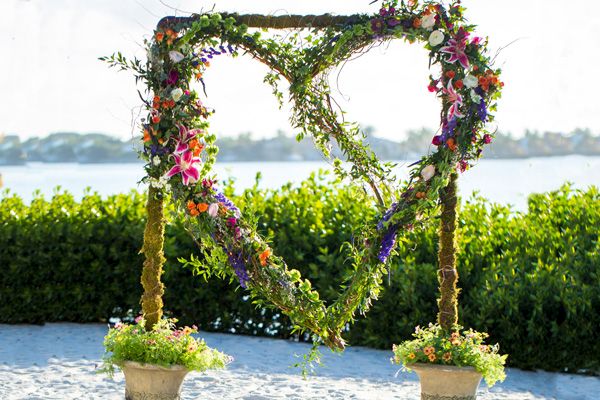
386	217
221	198
209	53
387	243
239	266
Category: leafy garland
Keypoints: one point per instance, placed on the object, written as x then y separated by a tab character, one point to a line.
180	152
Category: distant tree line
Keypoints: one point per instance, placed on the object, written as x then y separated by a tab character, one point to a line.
100	148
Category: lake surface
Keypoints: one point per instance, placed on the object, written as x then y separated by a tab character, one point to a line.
502	181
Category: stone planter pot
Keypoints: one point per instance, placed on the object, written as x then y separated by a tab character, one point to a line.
152	382
445	382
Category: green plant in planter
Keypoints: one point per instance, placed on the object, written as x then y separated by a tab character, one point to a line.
437	346
163	345
443	343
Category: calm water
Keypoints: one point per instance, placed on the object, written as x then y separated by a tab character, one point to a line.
503	181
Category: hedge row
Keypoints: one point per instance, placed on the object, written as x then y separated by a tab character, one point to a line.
530	279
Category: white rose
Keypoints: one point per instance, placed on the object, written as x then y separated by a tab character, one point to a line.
436	38
176	94
471	81
213	210
428	172
475	97
156	160
176	56
428	21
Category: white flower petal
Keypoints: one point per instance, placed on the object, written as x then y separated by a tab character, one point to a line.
176	56
436	38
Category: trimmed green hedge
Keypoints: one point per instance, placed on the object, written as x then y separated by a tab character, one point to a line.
532	280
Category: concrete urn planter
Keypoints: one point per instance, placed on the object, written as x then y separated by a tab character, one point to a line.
445	382
152	382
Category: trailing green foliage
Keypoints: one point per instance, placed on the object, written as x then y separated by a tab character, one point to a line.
531	280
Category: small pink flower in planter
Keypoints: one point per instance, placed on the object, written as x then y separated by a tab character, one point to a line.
188	166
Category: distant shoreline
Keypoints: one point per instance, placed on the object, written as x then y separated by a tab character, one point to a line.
271	161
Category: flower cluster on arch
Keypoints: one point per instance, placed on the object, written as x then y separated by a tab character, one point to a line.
180	151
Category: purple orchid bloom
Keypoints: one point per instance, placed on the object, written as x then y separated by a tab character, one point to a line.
185	135
186	165
455	48
455	100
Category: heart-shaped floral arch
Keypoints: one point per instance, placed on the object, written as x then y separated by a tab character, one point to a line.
180	153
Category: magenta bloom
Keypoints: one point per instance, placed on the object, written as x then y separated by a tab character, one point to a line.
455	101
185	135
456	50
188	166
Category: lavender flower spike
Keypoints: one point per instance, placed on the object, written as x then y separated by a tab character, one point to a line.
387	243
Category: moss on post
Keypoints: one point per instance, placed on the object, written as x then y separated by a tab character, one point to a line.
154	259
447	274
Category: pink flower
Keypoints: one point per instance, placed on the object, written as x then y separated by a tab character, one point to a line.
185	135
456	49
119	325
455	101
138	319
187	165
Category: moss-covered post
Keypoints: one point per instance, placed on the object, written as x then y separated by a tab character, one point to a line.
447	274
152	303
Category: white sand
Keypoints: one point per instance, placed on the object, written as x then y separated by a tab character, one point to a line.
57	361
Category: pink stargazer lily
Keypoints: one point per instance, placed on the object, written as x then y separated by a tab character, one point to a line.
455	99
185	135
186	165
455	48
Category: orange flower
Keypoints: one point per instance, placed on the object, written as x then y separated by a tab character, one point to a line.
431	357
428	350
192	208
159	36
451	144
447	357
171	36
416	23
459	84
450	74
412	356
202	207
264	256
420	195
156	102
199	76
147	137
193	143
155	119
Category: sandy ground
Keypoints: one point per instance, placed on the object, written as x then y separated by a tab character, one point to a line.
58	361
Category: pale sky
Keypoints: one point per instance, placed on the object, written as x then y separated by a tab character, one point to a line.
52	81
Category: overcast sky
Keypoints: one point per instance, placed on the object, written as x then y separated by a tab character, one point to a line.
51	79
